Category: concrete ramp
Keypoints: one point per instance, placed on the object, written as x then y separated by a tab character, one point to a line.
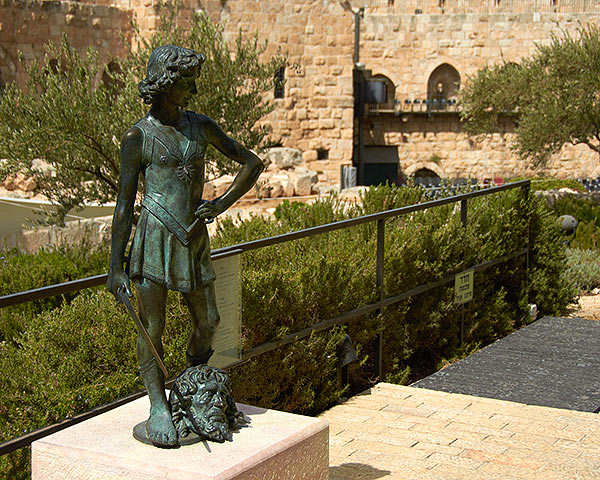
554	362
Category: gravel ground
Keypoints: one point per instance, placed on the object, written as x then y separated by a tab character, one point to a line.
588	307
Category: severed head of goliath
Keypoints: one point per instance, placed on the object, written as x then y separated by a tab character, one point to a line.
201	403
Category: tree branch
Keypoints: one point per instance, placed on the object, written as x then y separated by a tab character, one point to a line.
100	151
98	173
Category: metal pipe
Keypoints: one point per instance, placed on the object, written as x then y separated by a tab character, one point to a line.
380	288
361	128
357	14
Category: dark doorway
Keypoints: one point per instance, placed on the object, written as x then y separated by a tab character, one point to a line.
381	165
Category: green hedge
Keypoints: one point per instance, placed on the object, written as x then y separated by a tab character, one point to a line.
543	184
584	209
583	268
20	272
82	354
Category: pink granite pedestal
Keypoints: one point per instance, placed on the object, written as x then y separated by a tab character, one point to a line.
275	446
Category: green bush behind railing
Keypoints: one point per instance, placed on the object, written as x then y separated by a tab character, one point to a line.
582	265
81	355
20	272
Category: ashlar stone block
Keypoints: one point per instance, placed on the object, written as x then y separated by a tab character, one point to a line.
274	446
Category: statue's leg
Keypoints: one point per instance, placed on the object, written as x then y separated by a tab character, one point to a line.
205	319
152	299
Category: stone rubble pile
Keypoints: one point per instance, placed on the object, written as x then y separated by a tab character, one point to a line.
21	185
19	182
284	176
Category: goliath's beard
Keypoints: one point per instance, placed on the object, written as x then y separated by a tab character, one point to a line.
213	425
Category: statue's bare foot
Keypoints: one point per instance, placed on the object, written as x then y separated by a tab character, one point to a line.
160	429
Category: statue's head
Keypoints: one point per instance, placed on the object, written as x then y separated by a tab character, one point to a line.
201	403
166	65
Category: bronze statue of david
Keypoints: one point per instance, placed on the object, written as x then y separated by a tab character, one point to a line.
170	248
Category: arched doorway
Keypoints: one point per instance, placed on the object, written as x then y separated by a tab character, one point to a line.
427	178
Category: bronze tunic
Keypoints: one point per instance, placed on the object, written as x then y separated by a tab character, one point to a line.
164	249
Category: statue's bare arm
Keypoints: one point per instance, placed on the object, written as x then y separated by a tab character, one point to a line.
131	161
252	167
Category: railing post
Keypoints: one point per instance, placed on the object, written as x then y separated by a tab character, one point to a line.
463	212
379	283
463	218
526	190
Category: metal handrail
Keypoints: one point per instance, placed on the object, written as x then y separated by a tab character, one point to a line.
380	217
97	280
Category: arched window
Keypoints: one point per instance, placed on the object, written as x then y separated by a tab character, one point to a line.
442	86
390	89
279	83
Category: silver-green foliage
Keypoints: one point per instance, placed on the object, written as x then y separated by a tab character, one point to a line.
73	111
553	96
583	268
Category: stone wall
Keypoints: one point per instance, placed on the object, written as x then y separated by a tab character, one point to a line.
441	7
316	114
26	26
317	111
408	48
438	143
96	232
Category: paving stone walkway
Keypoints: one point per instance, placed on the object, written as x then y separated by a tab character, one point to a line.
397	432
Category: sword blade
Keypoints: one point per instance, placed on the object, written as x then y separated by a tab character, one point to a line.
143	332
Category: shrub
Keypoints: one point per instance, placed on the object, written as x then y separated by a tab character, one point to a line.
22	272
587	237
583	268
87	347
542	184
548	288
585	210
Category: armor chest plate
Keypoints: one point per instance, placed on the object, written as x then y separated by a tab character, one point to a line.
174	176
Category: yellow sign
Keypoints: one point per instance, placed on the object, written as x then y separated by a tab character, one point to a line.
463	287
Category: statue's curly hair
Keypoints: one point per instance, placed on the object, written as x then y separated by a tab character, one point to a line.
191	378
166	65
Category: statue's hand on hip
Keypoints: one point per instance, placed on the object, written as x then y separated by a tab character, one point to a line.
118	281
208	211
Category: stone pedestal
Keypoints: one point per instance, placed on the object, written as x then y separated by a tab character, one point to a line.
275	446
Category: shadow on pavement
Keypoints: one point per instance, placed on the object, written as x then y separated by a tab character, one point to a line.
352	471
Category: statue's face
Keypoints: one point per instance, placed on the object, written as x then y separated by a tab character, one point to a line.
181	92
207	412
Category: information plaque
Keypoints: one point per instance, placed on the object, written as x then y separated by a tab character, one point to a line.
227	342
463	287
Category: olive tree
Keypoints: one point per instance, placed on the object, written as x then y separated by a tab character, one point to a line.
73	110
553	96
